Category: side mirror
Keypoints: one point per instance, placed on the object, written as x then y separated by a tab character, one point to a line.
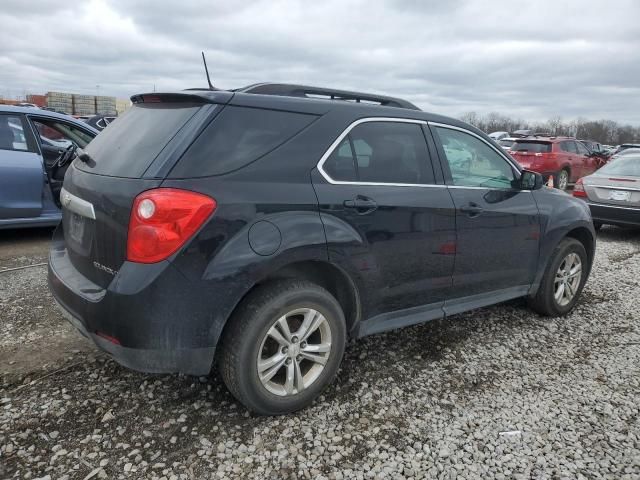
531	180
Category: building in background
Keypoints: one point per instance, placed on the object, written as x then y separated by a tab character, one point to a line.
60	102
106	106
39	100
73	103
122	104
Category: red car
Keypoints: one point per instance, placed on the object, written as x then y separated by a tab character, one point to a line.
563	158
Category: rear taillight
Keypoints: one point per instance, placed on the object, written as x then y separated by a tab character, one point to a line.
578	189
162	220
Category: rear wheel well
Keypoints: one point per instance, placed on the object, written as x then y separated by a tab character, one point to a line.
329	277
326	275
583	235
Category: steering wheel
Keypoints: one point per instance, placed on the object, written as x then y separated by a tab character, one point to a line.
59	166
66	156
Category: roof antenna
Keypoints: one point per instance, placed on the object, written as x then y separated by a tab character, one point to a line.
204	60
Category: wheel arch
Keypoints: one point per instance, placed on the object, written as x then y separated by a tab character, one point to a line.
323	273
584	236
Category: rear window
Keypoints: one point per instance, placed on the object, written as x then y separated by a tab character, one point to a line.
237	137
127	147
533	147
625	166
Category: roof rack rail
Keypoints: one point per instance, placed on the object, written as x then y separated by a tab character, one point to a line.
290	90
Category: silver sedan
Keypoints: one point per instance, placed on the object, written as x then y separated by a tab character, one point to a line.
613	192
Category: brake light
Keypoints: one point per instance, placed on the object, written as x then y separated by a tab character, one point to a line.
162	220
578	189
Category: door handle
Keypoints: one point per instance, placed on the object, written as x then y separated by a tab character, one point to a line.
361	204
473	209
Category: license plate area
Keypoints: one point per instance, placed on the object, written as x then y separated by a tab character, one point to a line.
76	227
619	195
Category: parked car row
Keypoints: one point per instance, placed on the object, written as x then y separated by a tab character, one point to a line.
257	230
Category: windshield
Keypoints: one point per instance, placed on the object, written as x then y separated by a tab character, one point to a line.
534	147
628	166
505	143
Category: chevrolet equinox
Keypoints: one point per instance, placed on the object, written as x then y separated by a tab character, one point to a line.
258	229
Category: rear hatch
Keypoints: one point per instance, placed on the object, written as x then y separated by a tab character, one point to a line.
530	154
133	154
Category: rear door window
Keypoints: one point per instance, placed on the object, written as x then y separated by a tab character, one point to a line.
382	152
237	137
127	147
568	146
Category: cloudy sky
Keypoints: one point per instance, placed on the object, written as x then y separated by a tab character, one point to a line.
532	59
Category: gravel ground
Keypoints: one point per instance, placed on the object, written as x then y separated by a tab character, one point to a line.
495	393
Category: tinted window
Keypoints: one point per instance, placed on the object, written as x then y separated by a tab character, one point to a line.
12	134
391	152
237	137
127	148
506	143
625	166
340	165
533	147
472	162
568	147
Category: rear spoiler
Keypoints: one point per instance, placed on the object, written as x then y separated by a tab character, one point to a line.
202	96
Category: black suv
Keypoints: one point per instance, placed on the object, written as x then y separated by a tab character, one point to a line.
259	229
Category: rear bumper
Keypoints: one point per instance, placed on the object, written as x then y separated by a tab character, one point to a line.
614	214
193	361
145	319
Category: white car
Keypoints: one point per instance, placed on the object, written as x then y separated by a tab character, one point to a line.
506	142
498	135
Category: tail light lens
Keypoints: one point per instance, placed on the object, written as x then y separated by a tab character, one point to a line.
578	189
162	220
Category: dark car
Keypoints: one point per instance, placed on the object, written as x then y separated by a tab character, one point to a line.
99	122
597	150
613	192
32	143
262	228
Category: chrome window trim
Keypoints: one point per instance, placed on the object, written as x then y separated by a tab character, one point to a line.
464	130
76	204
346	131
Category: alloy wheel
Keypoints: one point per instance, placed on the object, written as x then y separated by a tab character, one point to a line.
567	279
563	180
294	352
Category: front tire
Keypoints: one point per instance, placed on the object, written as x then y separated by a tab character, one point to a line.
283	346
563	280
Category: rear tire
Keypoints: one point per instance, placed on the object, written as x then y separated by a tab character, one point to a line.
551	299
257	336
561	179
